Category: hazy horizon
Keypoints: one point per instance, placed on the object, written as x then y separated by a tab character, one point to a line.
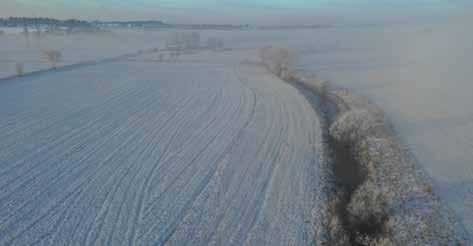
239	12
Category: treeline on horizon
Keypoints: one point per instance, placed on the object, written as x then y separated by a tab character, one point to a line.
51	22
75	23
42	21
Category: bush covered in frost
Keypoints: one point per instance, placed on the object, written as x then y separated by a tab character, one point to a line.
52	57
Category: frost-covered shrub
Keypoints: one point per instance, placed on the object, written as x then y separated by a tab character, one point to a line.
20	69
278	60
338	235
369	241
355	125
323	88
52	57
368	207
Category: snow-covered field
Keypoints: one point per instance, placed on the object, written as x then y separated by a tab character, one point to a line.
15	48
420	74
208	149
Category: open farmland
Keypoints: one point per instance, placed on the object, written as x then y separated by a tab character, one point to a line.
209	149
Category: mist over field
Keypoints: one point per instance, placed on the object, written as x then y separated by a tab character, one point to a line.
137	135
422	78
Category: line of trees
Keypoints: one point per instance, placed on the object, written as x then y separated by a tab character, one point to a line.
183	41
40	21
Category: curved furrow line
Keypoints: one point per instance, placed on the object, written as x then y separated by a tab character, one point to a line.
229	196
264	157
249	183
69	212
79	140
115	159
195	137
103	212
58	117
148	138
58	122
18	235
276	158
29	117
193	160
145	187
57	224
27	214
61	136
201	117
151	204
169	120
179	174
238	141
82	142
180	150
213	113
124	145
275	151
137	120
168	232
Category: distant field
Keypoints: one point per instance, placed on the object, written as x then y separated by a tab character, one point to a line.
15	48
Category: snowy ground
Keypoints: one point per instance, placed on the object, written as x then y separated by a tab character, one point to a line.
419	75
15	48
209	149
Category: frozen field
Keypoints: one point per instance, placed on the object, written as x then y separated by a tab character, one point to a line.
209	149
421	76
15	48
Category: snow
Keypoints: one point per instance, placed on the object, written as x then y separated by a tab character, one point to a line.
204	150
78	138
419	73
421	77
15	48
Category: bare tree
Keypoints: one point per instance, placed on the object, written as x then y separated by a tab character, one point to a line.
38	32
19	67
25	30
52	57
214	43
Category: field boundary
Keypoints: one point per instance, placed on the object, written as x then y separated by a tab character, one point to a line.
34	74
381	195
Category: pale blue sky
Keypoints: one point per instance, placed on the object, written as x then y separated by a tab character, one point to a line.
232	11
